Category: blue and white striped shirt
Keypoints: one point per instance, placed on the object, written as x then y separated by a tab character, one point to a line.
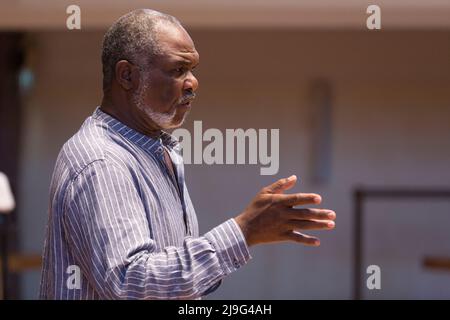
127	224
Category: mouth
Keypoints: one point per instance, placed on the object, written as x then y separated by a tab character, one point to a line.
186	104
186	100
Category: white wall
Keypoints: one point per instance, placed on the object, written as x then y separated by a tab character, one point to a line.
390	127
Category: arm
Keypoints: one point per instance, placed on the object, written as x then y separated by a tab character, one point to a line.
107	230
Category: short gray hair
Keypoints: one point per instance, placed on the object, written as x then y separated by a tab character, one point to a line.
129	38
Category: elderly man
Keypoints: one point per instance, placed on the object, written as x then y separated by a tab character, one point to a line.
120	217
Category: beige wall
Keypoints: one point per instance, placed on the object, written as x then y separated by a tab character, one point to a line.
234	14
390	127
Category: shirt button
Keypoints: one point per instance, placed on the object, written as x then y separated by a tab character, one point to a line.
236	264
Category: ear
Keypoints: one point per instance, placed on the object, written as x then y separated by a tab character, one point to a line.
127	75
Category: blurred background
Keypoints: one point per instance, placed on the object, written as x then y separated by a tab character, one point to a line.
364	119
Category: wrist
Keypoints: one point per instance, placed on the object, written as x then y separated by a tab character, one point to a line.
243	225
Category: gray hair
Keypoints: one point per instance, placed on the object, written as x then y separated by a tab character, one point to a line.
129	38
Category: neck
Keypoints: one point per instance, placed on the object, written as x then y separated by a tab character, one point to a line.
130	116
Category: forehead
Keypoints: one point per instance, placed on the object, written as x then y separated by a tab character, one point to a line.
176	44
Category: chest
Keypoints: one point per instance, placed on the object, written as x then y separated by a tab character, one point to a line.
169	209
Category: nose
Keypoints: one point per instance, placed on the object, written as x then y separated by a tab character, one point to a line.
190	83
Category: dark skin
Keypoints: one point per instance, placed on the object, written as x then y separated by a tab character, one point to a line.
170	76
271	216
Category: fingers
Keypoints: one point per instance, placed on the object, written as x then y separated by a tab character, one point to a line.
311	224
281	185
302	238
297	199
309	214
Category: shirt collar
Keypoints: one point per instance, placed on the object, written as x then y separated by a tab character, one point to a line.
153	144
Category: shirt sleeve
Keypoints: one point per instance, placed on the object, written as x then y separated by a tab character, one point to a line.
107	231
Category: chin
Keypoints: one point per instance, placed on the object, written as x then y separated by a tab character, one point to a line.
175	124
166	121
177	120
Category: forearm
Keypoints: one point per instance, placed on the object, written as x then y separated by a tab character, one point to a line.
185	272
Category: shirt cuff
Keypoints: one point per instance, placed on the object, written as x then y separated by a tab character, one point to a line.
230	245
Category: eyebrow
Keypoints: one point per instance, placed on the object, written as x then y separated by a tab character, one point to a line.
186	62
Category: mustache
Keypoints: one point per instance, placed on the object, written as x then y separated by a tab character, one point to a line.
189	97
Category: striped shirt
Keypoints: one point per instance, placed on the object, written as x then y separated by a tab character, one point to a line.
122	226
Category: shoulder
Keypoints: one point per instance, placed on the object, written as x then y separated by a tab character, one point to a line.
93	145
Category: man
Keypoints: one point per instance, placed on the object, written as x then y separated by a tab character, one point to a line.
120	213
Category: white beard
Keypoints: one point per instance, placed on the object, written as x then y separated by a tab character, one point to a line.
163	120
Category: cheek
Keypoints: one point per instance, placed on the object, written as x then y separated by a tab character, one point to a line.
170	94
167	92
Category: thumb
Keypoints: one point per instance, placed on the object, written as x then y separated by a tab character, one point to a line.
281	185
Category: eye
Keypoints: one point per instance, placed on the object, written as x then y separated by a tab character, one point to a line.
183	70
180	71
